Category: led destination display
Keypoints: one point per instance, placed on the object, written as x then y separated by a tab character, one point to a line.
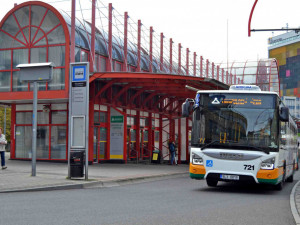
237	100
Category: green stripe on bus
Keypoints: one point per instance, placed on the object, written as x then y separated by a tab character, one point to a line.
270	181
197	176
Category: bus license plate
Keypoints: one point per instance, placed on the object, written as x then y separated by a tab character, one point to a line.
229	177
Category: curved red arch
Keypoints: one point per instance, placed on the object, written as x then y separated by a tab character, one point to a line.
250	18
62	23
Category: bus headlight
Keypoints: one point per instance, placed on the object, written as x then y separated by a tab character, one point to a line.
197	160
268	164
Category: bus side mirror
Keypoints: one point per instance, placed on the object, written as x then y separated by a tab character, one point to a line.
186	108
284	114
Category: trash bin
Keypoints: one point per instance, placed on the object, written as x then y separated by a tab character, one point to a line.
155	156
76	163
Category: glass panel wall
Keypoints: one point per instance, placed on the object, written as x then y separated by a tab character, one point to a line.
58	142
34	35
51	133
23	141
42	142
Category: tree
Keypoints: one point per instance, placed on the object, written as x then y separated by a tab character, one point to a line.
8	121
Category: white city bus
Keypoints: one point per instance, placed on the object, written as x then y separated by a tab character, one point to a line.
241	134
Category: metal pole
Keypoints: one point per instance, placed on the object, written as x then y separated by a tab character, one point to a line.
72	54
34	129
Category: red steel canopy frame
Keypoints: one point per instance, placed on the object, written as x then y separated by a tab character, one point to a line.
154	93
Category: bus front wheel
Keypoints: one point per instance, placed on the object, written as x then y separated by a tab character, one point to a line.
279	186
211	183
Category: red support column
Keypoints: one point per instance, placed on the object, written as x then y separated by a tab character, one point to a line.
12	131
201	66
234	79
125	69
195	68
91	122
179	58
108	133
139	46
161	51
137	134
160	134
150	136
226	77
187	61
73	16
92	58
151	49
213	70
125	157
222	75
109	69
218	72
207	68
171	55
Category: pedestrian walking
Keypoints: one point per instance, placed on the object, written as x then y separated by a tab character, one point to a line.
3	142
172	151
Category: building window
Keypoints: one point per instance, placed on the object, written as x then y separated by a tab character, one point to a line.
40	40
51	133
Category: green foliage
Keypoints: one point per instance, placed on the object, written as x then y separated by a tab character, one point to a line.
8	121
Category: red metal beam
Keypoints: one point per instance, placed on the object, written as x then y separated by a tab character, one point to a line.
150	50
125	41
125	88
92	58
195	55
161	51
170	102
250	18
109	69
201	66
171	55
187	61
138	69
106	86
138	93
179	58
149	97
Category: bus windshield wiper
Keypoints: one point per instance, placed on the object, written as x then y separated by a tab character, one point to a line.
257	148
208	144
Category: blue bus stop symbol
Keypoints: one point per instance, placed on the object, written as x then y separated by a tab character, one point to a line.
209	163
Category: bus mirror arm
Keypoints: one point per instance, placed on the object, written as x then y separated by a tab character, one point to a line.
284	114
187	107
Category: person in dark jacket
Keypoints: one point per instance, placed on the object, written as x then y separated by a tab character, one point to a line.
172	151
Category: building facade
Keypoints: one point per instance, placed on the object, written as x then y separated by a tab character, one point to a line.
147	103
286	49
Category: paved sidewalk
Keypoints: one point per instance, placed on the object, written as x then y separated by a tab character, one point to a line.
50	175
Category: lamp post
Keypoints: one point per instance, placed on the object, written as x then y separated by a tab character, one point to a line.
34	73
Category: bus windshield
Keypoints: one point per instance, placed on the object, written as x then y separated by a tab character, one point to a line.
235	121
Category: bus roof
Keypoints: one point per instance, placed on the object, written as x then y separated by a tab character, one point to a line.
237	92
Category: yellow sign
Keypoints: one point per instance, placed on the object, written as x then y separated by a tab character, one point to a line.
155	156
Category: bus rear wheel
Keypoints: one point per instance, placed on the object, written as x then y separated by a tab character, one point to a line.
211	183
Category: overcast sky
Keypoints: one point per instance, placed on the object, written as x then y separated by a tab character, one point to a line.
201	25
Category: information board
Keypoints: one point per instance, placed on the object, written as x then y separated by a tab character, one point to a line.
116	135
